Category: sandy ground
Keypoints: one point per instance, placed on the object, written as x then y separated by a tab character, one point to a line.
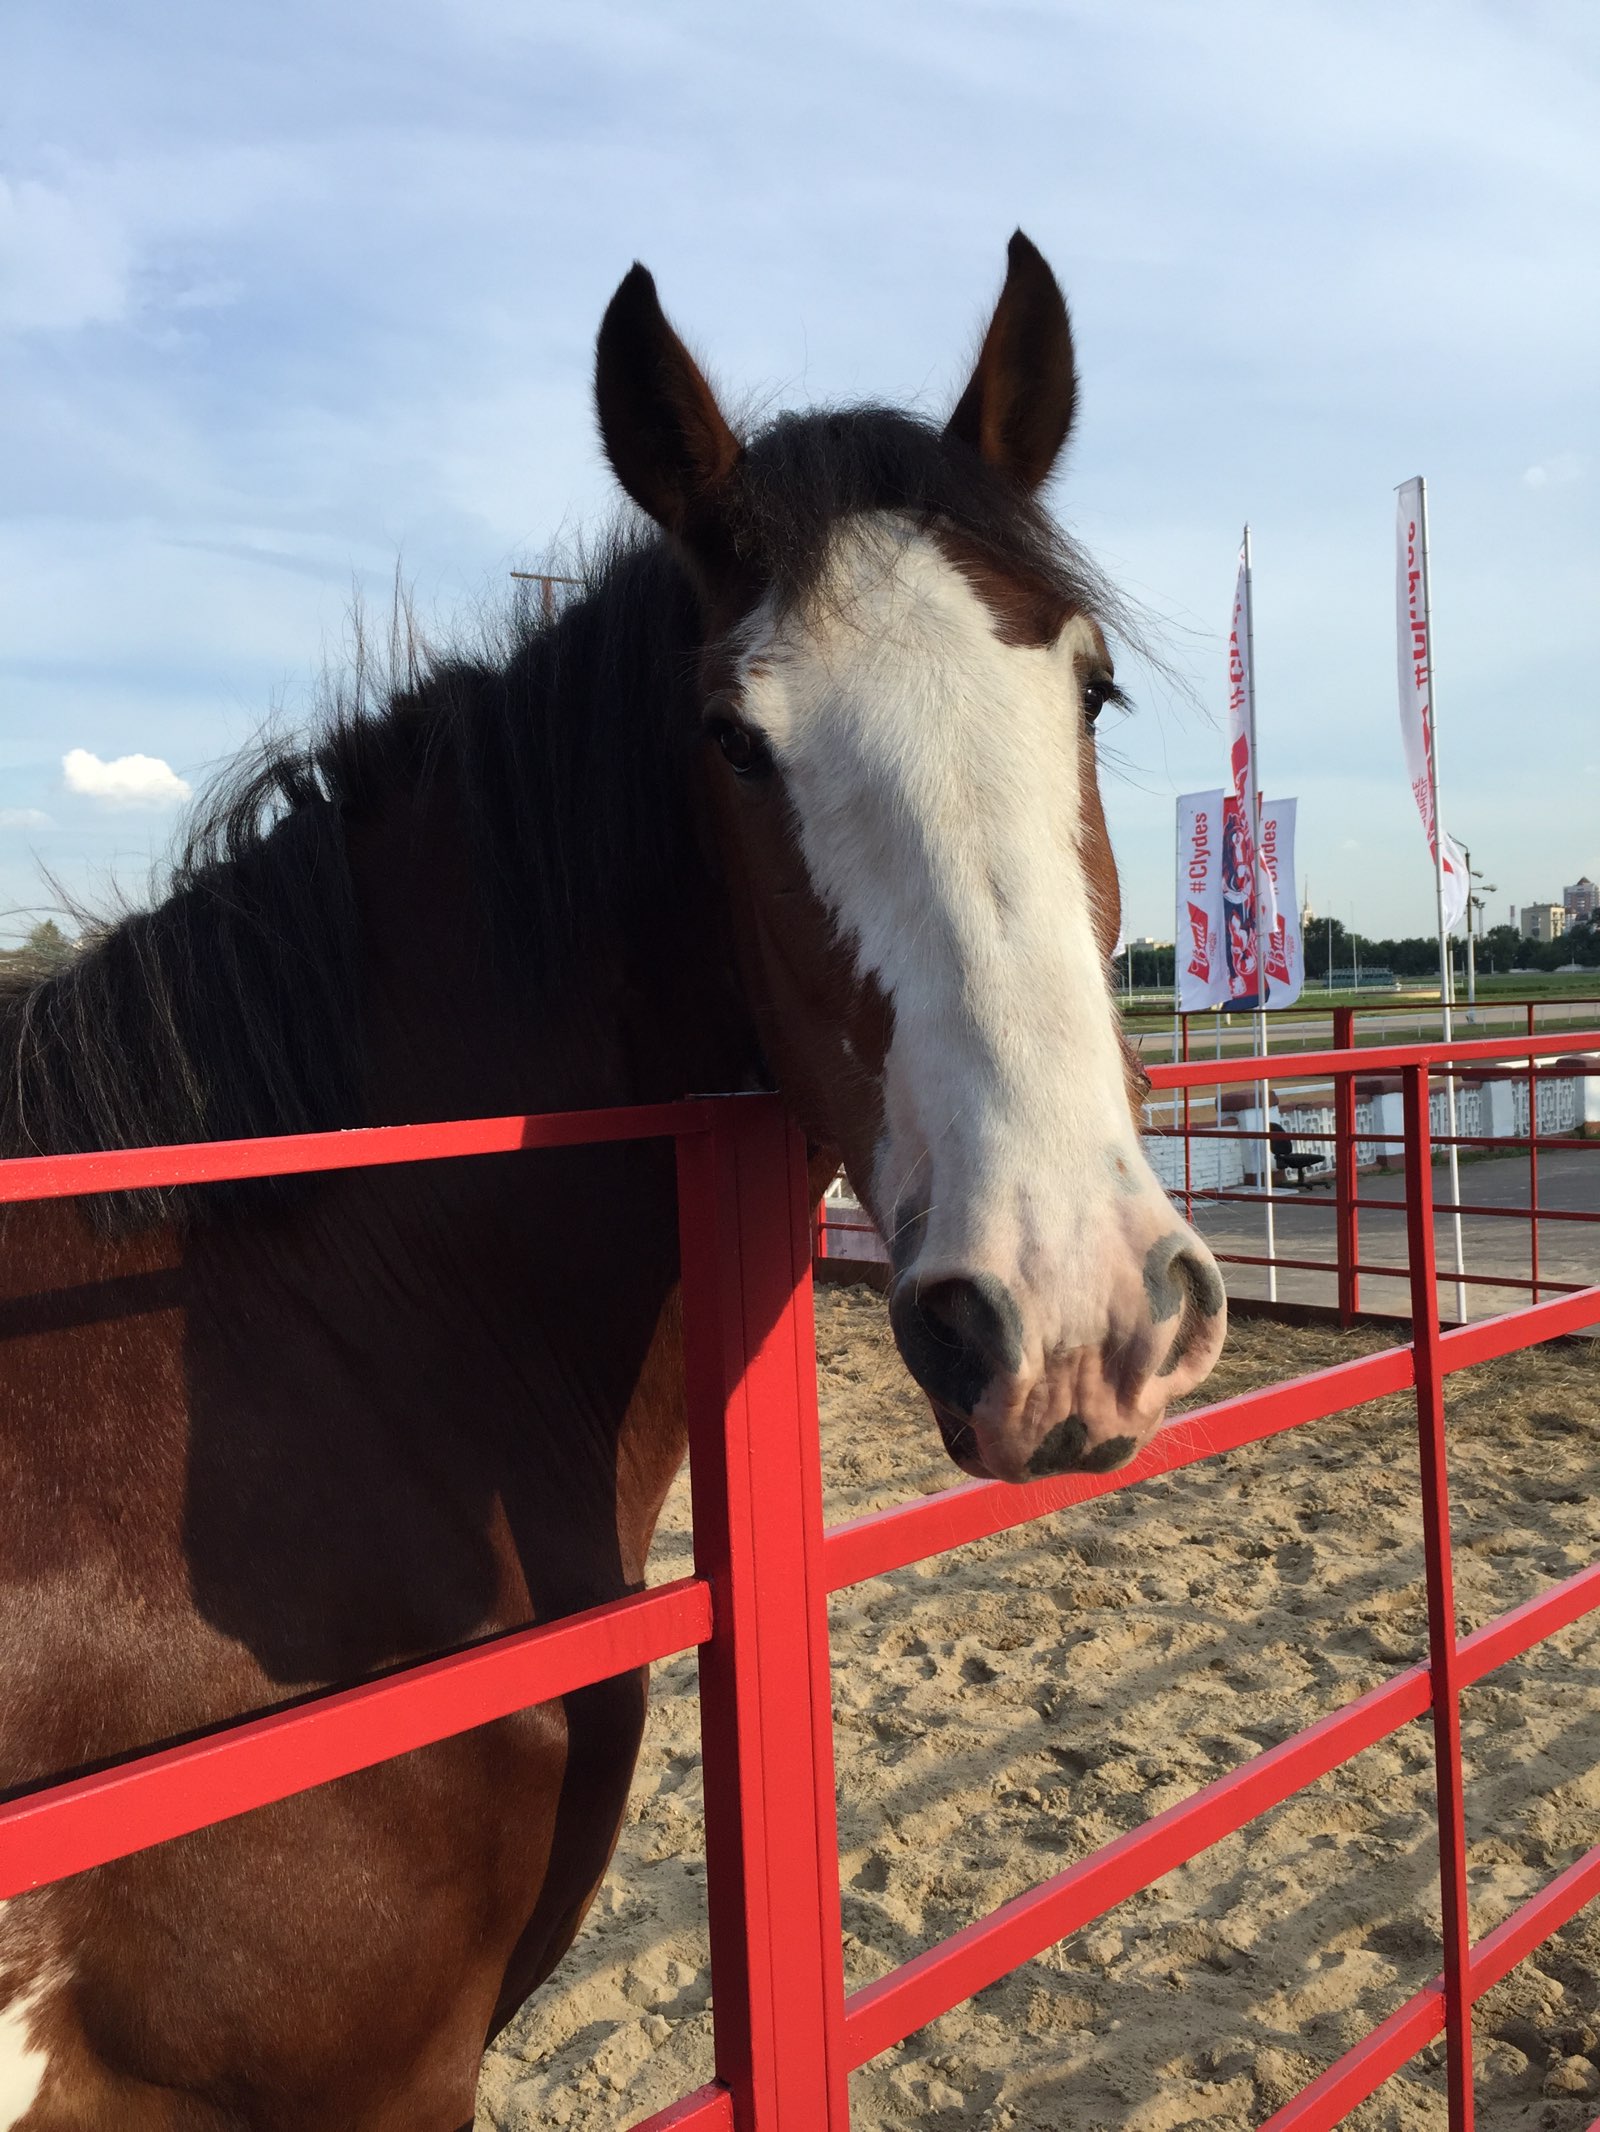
1008	1708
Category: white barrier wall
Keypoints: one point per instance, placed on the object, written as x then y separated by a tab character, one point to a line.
1496	1110
1214	1165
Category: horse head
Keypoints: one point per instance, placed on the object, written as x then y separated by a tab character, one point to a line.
901	666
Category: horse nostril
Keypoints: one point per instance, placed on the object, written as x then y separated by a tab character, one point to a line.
1205	1284
1067	1450
1203	1297
955	1335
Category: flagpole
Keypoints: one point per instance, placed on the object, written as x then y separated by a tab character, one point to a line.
1262	1090
1177	946
1447	991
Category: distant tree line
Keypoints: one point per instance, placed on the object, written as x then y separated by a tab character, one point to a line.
1580	944
45	949
1152	968
1500	950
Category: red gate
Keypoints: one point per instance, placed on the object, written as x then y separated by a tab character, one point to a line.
787	2036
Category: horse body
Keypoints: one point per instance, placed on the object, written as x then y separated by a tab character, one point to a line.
803	795
254	1458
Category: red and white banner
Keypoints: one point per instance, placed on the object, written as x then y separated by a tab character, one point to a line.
1201	981
1242	898
1416	693
1285	950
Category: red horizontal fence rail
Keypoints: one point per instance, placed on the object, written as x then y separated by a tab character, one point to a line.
787	2036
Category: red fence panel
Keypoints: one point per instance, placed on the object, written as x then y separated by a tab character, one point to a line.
786	2036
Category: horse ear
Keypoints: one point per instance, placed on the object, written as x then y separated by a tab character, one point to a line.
1019	401
662	429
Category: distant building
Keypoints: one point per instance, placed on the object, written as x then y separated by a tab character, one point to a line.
1581	900
1544	921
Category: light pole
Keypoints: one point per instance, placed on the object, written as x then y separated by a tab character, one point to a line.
547	581
1474	902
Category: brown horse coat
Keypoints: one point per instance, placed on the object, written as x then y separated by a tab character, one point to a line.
260	1441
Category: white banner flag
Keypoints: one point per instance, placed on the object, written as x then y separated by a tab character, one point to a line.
1201	981
1285	951
1416	693
1246	893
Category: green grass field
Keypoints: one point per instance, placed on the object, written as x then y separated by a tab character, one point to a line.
1512	985
1410	1016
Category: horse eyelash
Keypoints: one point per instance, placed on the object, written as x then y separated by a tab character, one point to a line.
1105	692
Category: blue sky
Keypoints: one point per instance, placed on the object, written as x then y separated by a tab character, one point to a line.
289	293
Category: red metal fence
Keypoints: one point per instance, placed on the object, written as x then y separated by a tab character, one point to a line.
787	2036
843	1233
1346	1203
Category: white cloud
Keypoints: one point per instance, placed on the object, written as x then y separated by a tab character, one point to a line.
61	265
24	818
1555	472
340	288
129	781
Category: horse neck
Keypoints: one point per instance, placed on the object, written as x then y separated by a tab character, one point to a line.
578	1251
648	1009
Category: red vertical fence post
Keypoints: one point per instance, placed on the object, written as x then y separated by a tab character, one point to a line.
766	1719
1346	1219
1533	1159
1443	1647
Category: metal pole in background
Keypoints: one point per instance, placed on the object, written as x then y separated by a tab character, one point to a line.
547	582
1188	1128
1263	1091
1177	935
1216	1093
1446	974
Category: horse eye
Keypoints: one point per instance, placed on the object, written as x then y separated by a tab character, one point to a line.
1098	691
742	747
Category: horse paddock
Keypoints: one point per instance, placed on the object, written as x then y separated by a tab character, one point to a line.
1004	1710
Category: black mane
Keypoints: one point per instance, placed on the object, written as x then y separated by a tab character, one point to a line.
231	1009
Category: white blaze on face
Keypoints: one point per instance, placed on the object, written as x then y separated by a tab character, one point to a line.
937	779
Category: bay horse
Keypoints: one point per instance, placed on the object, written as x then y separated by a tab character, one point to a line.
798	791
